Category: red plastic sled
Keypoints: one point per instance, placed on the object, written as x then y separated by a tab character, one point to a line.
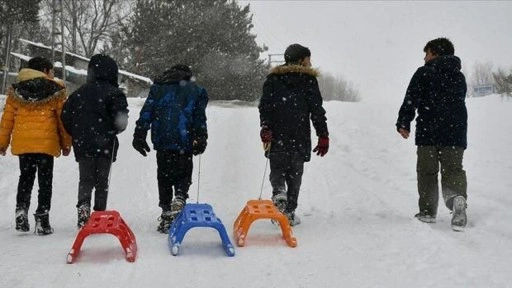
102	222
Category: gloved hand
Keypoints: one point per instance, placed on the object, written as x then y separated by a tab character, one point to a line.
66	151
265	134
199	145
141	145
322	147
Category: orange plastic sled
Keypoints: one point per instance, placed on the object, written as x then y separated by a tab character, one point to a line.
261	209
109	222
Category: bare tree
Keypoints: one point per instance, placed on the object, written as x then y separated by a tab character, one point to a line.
503	82
337	88
89	25
482	74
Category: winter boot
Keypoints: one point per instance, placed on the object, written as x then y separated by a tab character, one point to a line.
425	217
83	213
176	206
22	219
293	219
280	201
459	218
165	221
43	224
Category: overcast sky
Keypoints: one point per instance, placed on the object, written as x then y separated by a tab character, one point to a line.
378	45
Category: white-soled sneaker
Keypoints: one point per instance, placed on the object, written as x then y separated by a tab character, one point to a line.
459	218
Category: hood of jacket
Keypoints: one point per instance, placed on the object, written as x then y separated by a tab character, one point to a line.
172	76
34	86
284	69
293	75
445	64
102	68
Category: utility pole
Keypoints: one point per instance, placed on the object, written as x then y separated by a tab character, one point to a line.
7	57
58	12
270	61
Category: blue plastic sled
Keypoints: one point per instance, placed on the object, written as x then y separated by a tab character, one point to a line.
197	215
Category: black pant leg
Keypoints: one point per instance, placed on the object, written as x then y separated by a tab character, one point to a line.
182	174
28	168
164	167
103	166
87	170
294	173
277	176
45	179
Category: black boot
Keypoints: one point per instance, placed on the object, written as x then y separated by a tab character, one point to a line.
43	224
165	221
176	206
83	213
22	219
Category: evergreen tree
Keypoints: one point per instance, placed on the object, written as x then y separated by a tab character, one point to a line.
212	36
16	18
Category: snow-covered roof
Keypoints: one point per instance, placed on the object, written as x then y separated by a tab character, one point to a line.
21	56
41	45
78	71
71	69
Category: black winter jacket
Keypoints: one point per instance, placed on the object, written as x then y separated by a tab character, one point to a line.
438	92
291	97
96	112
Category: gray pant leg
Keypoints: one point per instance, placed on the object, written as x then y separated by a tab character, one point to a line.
453	176
286	171
427	169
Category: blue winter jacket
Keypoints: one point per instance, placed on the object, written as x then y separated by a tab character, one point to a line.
175	112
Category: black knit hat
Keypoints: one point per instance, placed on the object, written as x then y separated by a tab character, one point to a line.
102	67
296	52
187	72
174	75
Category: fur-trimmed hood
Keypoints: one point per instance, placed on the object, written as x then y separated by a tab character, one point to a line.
283	69
34	86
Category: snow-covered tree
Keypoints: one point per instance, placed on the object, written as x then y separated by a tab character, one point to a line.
337	88
503	82
212	36
17	19
88	25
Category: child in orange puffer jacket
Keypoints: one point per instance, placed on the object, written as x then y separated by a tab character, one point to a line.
31	125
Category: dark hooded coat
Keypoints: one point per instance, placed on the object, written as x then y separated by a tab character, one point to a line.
291	98
437	91
97	111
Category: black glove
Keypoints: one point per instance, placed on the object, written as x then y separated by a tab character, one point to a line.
141	145
199	145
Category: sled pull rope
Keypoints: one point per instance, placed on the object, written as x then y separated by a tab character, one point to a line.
111	162
266	147
198	178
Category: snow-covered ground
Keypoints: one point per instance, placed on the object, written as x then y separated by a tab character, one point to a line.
356	204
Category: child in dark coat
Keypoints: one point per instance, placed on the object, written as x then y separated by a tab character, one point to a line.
175	113
291	99
93	115
437	92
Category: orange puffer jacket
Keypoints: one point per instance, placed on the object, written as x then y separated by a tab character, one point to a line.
31	118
